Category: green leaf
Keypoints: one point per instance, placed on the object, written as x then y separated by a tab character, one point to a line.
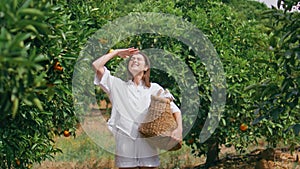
224	121
296	129
257	120
26	4
276	112
40	58
31	11
47	113
15	107
32	28
270	130
27	102
38	103
58	81
42	27
252	86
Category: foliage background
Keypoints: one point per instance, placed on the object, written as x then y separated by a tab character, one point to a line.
40	42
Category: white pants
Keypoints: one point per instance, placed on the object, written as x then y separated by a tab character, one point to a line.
134	152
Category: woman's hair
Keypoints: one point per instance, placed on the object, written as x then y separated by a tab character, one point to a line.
146	76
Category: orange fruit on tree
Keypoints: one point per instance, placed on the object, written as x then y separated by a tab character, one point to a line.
243	127
29	166
57	66
191	141
67	133
18	162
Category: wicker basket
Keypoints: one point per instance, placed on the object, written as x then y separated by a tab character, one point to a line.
159	124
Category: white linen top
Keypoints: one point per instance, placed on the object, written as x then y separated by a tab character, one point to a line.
129	102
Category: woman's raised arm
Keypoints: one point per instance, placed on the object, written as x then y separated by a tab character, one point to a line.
99	63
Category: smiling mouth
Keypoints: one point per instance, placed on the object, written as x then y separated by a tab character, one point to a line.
134	65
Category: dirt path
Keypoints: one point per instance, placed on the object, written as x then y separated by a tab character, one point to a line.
279	158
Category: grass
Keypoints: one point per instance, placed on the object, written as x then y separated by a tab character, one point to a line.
80	149
83	152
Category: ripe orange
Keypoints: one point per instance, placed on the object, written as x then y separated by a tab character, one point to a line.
191	141
50	85
67	133
57	66
18	162
243	127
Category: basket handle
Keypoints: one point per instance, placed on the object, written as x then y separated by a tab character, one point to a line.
159	92
171	98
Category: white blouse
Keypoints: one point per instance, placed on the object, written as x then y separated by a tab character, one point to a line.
129	102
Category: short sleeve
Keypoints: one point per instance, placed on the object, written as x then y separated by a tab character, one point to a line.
174	107
106	81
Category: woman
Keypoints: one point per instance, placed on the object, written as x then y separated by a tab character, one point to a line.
130	101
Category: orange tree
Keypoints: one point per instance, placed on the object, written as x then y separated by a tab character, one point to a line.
260	54
277	96
236	32
39	42
25	121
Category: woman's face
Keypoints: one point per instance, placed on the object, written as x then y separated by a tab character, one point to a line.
137	64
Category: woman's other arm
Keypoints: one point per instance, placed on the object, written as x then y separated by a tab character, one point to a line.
177	133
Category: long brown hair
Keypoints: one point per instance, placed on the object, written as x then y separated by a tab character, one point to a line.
146	76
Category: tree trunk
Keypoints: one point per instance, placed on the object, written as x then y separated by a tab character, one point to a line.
213	152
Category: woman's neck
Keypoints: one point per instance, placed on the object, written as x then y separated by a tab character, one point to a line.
137	79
